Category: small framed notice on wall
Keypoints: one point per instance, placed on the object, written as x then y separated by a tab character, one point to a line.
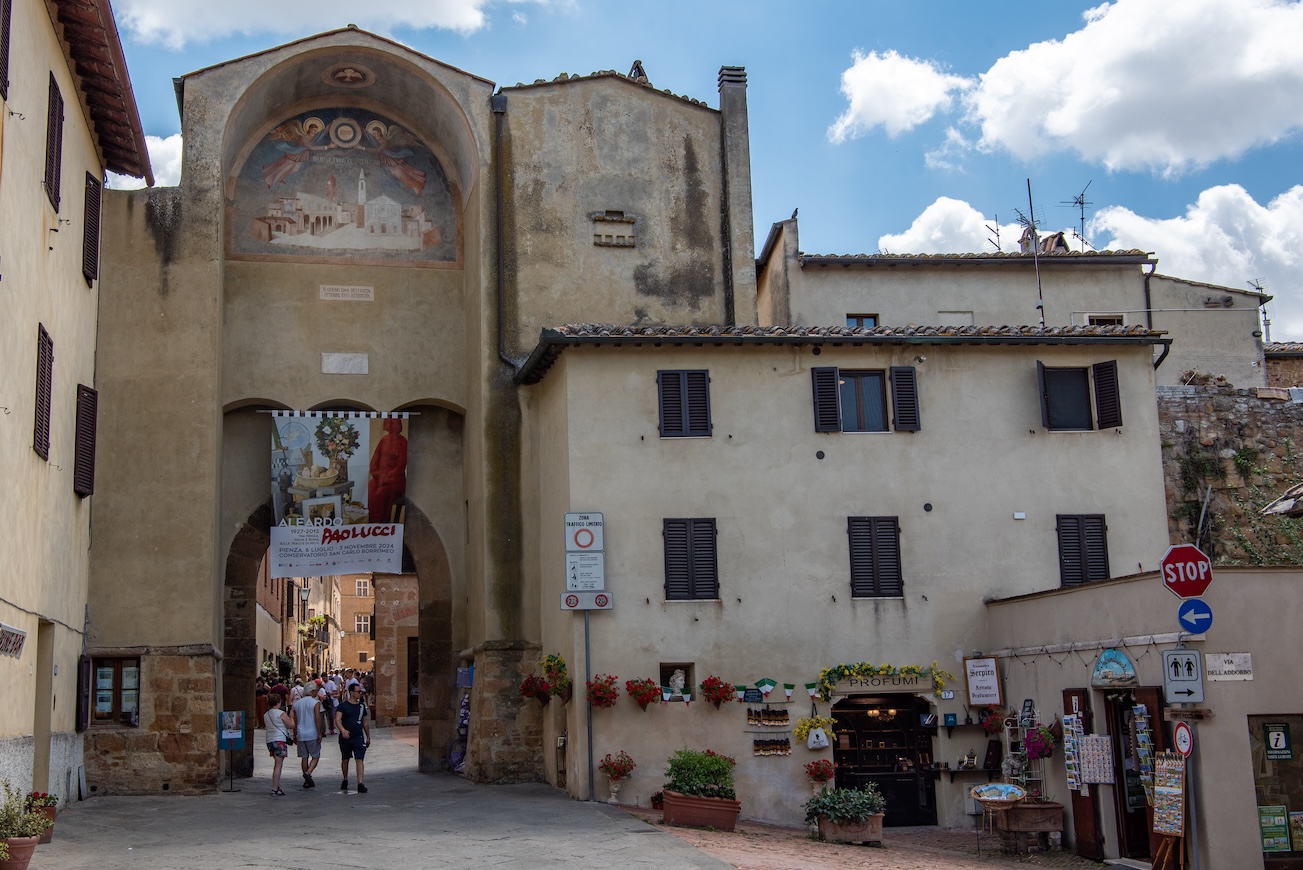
983	677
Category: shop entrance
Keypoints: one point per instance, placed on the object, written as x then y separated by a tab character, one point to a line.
1134	815
880	739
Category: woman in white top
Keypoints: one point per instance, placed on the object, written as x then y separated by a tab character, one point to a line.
279	724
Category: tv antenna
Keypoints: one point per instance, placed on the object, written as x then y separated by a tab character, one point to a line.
1257	284
994	229
1028	222
1079	202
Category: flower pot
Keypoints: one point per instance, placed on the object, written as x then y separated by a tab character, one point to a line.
717	702
614	785
700	812
1028	818
867	831
658	801
49	814
567	693
20	853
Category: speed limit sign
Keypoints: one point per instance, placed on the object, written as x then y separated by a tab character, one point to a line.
1183	737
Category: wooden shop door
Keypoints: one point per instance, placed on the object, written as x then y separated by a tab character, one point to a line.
1086	832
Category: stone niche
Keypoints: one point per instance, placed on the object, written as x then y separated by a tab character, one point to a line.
174	750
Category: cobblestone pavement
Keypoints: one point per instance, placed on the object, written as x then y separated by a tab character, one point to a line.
764	847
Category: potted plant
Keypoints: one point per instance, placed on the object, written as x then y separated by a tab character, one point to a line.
806	724
602	691
716	691
643	691
554	671
1039	742
617	768
699	792
848	815
992	718
42	802
20	827
536	687
821	773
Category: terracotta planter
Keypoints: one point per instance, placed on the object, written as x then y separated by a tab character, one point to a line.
700	812
50	813
658	801
1025	818
20	853
867	831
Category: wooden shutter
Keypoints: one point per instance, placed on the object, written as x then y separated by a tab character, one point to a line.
44	390
1083	548
1095	547
691	569
671	403
827	399
696	396
684	403
1044	395
83	693
875	557
1108	402
1072	569
705	575
90	239
6	15
904	399
1087	833
54	143
83	474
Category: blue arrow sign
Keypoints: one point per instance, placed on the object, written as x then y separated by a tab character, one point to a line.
1195	616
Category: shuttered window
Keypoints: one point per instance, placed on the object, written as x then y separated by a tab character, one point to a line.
44	390
54	143
90	240
1083	548
846	400
875	557
83	473
6	16
691	570
684	403
1065	397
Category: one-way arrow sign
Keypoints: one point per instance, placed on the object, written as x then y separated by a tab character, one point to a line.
1183	676
1195	616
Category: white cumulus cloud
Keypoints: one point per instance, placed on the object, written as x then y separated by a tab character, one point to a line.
894	92
949	226
1144	85
174	23
164	159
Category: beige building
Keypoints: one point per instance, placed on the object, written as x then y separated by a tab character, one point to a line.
356	629
1214	330
67	114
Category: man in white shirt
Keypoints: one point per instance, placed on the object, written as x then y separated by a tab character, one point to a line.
328	703
310	722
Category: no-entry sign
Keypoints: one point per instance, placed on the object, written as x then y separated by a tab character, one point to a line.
1186	571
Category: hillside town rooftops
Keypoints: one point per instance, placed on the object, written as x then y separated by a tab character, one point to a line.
553	341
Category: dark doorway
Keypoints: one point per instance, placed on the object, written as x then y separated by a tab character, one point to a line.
881	739
1132	808
413	676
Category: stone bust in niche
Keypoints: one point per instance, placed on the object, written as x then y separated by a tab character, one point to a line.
678	680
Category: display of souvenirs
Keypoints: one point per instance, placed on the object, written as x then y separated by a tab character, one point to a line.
1096	751
767	746
768	717
1071	753
1169	794
1142	738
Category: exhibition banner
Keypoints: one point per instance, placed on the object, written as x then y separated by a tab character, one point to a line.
315	550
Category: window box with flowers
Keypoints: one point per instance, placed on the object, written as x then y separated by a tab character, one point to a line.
603	691
643	691
717	691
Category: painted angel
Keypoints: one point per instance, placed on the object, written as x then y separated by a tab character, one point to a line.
296	140
392	148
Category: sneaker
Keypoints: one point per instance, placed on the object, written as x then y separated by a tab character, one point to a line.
344	785
308	781
361	789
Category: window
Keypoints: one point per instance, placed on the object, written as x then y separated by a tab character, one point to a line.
1083	548
361	657
44	391
1065	397
691	571
83	470
856	401
90	240
117	692
362	623
6	14
54	143
685	403
875	557
863	321
1105	320
363	588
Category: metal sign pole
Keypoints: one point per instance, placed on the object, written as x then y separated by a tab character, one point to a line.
1192	835
588	675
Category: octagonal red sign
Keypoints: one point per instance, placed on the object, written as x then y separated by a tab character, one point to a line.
1186	570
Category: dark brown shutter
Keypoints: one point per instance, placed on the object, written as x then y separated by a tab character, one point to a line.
84	671
697	402
684	403
875	557
705	567
904	399
1095	546
1108	402
671	403
1044	395
1083	548
1072	570
90	239
44	391
827	399
83	474
678	565
691	568
6	15
54	143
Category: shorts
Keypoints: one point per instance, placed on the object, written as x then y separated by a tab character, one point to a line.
310	748
354	747
277	748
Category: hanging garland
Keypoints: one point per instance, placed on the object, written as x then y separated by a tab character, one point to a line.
830	677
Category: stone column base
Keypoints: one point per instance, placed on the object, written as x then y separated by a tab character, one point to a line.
506	736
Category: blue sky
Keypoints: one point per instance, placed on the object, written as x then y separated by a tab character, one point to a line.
897	126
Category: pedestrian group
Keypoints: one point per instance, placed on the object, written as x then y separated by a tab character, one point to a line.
324	705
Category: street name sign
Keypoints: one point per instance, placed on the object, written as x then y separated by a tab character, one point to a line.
1186	571
1183	676
586	601
1229	666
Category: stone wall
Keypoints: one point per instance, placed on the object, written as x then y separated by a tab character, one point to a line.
174	749
506	734
1245	445
397	610
1284	371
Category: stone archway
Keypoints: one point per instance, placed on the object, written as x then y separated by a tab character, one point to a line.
240	625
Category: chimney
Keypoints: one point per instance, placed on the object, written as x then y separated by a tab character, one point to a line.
737	223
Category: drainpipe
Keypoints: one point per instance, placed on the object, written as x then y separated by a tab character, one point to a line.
1149	305
498	102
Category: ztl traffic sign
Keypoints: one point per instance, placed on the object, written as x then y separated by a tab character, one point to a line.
1195	616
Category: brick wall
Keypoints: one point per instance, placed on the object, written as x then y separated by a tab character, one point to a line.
1284	371
397	611
506	739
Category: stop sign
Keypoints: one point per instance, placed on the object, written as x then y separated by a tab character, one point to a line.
1186	571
